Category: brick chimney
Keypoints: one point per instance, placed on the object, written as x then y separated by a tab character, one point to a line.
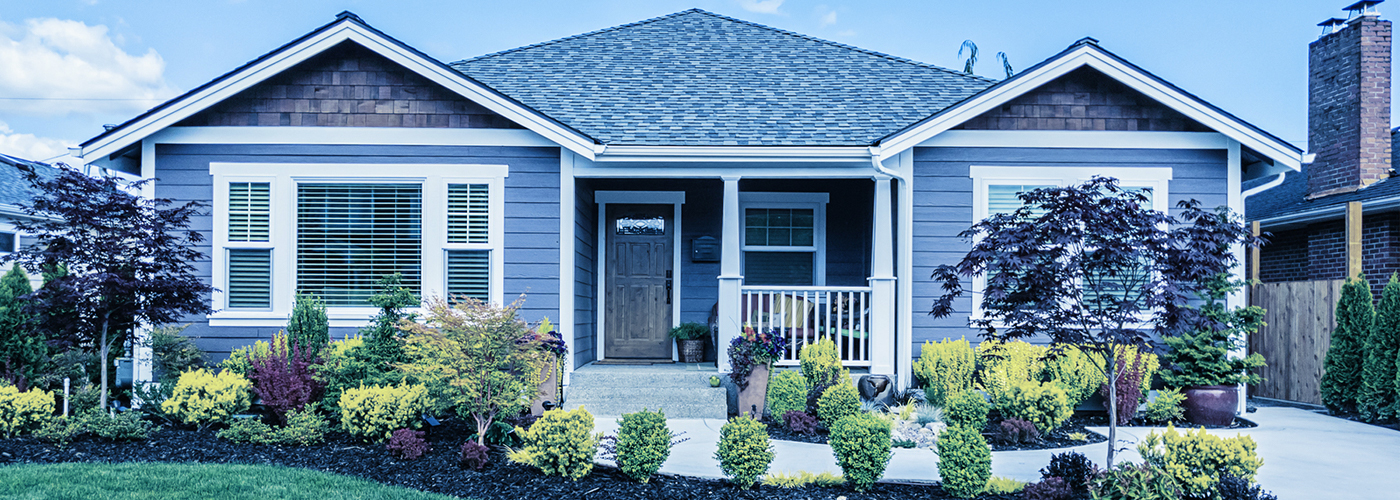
1349	104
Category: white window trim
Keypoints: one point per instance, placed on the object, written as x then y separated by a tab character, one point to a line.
285	177
1157	178
814	201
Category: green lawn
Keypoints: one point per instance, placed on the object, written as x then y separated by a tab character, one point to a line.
193	481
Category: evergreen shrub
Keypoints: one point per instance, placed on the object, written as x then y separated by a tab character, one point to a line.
744	453
375	412
643	444
1341	377
23	411
1195	460
202	397
1043	404
560	443
964	461
945	368
967	409
787	391
837	402
309	328
1167	407
861	443
1378	375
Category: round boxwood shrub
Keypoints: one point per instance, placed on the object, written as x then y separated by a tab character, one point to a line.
561	443
787	391
968	409
201	397
1195	460
861	443
1045	405
375	412
964	461
744	452
643	443
837	402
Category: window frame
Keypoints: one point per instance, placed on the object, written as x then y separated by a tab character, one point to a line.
815	201
285	178
1157	178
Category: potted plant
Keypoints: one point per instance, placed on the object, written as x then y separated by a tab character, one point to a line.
545	338
751	356
1199	361
690	340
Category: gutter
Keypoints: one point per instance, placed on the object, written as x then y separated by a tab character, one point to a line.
1265	187
880	167
1325	213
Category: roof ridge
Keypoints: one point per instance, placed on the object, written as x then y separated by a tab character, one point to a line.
574	37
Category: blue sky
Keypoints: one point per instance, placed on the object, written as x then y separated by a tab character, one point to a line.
69	66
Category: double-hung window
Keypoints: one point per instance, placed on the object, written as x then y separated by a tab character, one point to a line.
997	189
784	238
335	230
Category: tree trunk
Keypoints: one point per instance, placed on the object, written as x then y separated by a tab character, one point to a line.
103	350
1112	406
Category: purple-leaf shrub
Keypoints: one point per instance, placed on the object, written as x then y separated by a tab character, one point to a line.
800	421
284	380
1050	488
1129	386
1016	431
473	454
407	444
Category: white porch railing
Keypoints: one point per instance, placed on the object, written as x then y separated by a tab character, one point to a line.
806	314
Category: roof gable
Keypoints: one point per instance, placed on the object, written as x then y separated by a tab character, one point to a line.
1083	99
696	78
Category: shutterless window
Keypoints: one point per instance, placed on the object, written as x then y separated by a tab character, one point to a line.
780	246
468	262
351	235
249	256
9	242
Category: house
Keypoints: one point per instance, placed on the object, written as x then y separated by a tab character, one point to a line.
1340	215
691	167
15	192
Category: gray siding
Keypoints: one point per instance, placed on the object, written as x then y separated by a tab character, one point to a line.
943	208
531	213
585	275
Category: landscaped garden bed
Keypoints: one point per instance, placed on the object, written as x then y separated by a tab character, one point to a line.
1063	437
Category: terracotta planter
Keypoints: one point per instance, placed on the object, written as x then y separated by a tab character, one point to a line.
549	387
752	398
692	350
1211	404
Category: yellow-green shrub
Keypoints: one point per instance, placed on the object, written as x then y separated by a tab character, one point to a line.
787	391
964	461
838	401
744	453
643	443
821	364
237	361
1196	459
802	479
1003	486
944	369
861	443
1042	404
201	397
375	412
1074	371
22	411
560	443
967	409
1005	364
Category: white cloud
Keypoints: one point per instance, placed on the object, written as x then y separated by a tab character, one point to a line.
829	19
847	33
32	147
75	68
761	6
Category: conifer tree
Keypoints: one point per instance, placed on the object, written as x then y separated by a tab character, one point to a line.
1341	378
1378	371
22	349
308	327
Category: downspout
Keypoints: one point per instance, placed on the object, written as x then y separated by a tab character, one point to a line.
880	168
1278	179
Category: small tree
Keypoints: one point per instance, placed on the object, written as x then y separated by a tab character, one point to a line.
308	328
129	260
1093	266
382	334
22	350
1341	376
1202	356
477	358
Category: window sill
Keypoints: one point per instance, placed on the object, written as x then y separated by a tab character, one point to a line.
340	317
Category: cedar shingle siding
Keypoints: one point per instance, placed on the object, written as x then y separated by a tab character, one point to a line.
348	86
1084	99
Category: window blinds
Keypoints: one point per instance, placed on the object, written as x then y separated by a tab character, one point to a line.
248	210
249	278
468	213
351	235
469	274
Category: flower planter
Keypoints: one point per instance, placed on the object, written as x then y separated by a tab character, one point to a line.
692	350
1211	404
753	397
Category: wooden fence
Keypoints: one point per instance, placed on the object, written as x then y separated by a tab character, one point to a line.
1300	322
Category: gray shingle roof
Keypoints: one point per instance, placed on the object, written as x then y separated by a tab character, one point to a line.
696	78
14	190
1290	197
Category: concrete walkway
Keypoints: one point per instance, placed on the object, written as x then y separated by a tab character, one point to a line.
1306	455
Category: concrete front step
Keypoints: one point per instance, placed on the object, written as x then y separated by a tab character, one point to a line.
679	391
639	379
613	409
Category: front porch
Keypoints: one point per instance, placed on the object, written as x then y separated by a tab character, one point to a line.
807	258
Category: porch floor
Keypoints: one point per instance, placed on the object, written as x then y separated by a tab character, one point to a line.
653	368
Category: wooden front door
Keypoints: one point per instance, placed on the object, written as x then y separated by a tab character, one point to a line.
639	260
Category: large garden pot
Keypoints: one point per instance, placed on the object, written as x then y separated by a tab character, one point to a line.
752	398
1212	404
692	350
549	386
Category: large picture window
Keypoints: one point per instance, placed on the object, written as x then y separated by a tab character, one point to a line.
784	238
351	235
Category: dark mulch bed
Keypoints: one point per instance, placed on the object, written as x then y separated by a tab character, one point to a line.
1102	421
438	471
1059	438
776	430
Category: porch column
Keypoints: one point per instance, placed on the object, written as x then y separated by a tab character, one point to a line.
730	277
882	281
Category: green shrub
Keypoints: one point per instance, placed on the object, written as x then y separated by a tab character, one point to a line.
560	443
787	391
1378	398
1129	481
346	364
964	461
22	347
1042	404
1003	486
201	397
837	402
1196	460
821	364
1341	377
23	411
967	409
944	369
237	361
744	453
60	430
690	330
861	443
643	443
1074	371
1167	407
802	479
375	412
173	353
308	328
126	426
303	428
1006	364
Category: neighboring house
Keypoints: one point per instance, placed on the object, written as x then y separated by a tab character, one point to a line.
15	192
691	167
1352	146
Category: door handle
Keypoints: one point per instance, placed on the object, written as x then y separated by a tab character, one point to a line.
668	291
